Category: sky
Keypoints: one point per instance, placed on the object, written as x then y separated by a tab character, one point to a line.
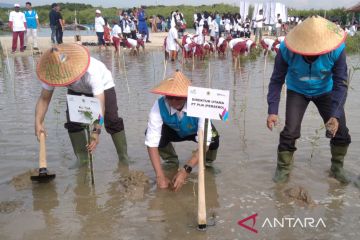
299	4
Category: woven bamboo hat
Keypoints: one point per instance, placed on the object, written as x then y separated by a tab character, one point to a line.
176	85
63	64
315	36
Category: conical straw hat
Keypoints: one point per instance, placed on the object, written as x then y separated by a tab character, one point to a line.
176	85
314	36
63	64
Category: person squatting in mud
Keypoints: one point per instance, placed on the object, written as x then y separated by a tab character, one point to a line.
168	122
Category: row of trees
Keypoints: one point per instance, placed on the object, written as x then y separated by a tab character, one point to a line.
338	14
86	12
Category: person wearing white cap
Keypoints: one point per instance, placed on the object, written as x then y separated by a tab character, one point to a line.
99	28
17	23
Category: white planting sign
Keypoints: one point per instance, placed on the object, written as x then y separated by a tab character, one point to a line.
81	106
208	103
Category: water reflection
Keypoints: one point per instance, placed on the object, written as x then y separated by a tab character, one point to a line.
45	199
174	206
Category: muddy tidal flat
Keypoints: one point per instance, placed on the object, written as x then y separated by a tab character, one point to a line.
125	202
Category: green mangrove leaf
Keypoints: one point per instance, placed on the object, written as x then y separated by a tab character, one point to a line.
88	115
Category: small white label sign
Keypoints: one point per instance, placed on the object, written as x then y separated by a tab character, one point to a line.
78	105
208	103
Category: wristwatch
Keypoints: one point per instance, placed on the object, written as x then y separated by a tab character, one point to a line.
187	168
96	130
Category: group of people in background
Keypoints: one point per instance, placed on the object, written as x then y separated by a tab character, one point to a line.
24	25
129	29
217	25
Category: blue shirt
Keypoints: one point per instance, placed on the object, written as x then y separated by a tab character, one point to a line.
31	19
338	73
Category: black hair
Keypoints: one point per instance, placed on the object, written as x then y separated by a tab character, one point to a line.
54	5
28	3
199	17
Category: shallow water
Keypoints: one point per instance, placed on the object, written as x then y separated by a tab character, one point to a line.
239	186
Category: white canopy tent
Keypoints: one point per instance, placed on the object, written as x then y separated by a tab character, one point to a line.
270	11
244	10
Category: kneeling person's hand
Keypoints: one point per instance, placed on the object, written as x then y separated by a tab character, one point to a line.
179	179
94	141
162	182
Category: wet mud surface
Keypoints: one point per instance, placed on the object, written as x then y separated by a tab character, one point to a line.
125	203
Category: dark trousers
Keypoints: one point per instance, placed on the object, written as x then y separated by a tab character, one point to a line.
169	135
113	123
59	35
53	34
133	34
15	37
296	105
144	31
100	36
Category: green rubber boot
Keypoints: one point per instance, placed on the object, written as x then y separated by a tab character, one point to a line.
78	142
337	162
284	165
357	182
210	157
169	156
119	140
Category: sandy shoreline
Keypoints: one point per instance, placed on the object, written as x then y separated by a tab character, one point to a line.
157	40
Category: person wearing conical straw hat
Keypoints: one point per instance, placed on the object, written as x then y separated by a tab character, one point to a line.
168	122
70	66
312	60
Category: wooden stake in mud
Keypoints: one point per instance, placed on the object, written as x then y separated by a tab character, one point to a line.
266	54
126	79
7	61
90	157
165	65
201	175
201	182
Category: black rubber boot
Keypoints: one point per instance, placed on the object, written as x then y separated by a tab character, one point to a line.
284	166
119	140
337	162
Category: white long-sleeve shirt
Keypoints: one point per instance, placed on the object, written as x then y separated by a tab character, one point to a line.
155	122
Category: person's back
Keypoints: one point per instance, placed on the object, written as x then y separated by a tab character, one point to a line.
53	17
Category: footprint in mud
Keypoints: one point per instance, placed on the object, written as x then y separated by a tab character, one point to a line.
22	181
9	206
134	184
300	195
